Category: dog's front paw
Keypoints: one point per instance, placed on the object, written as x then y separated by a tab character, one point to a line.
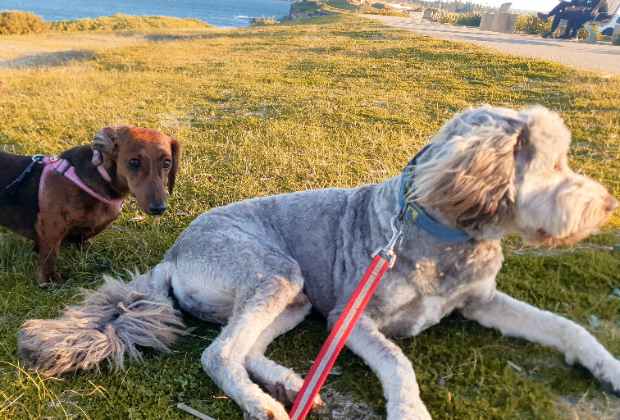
266	409
286	395
408	411
49	280
610	376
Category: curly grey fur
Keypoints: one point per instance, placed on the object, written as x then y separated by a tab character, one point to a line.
110	324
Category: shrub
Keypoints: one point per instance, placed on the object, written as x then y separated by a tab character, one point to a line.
531	24
449	18
468	19
264	21
20	23
121	22
383	10
446	18
342	4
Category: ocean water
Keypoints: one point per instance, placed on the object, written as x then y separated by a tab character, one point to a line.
224	13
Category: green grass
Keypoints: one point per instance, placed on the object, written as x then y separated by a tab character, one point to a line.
337	101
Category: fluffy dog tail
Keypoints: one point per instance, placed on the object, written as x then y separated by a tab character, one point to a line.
110	324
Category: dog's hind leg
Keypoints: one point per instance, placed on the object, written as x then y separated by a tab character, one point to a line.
50	234
256	308
281	382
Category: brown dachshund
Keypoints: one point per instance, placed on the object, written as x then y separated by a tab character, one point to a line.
75	196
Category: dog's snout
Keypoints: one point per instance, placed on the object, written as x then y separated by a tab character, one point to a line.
611	203
157	209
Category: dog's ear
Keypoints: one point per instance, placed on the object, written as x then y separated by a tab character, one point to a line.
522	143
105	144
470	178
176	157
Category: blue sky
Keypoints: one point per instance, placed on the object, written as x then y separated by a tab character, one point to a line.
538	5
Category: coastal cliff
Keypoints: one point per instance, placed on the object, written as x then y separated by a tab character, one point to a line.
303	9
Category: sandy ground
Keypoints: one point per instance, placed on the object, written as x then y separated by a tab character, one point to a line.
602	58
57	49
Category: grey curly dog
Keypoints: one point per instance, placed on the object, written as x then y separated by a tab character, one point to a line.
258	266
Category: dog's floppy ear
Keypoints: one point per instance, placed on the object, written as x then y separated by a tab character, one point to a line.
105	144
176	157
523	139
470	177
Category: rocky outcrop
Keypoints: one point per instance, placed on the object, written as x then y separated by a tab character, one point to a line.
303	9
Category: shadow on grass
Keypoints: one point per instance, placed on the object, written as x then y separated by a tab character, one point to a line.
372	35
240	34
50	59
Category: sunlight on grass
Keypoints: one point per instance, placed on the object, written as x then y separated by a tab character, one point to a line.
335	101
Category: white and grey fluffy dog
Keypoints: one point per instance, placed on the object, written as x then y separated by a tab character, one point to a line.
258	266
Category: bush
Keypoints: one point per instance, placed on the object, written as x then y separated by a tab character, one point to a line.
264	21
21	23
121	22
342	4
449	18
531	24
383	10
446	18
24	23
468	19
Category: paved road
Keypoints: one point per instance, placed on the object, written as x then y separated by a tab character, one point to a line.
603	58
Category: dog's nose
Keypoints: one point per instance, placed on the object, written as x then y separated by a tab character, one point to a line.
157	209
611	203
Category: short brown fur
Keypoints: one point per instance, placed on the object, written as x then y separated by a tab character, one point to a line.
65	213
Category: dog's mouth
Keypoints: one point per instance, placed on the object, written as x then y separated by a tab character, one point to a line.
152	208
545	240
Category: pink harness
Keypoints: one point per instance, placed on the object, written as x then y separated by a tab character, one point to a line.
64	168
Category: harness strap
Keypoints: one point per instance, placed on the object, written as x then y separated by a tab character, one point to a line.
22	177
63	167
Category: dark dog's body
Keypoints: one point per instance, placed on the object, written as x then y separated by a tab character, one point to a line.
19	207
64	212
79	212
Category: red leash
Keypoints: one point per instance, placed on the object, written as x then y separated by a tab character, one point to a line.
381	263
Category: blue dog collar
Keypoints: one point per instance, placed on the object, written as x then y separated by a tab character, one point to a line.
412	211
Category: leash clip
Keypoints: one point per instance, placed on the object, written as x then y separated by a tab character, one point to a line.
38	158
387	251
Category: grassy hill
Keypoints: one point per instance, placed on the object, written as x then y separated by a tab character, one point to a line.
335	101
19	23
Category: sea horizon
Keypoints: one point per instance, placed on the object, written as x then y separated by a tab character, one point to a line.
222	13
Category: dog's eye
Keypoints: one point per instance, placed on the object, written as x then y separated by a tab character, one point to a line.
167	163
134	163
